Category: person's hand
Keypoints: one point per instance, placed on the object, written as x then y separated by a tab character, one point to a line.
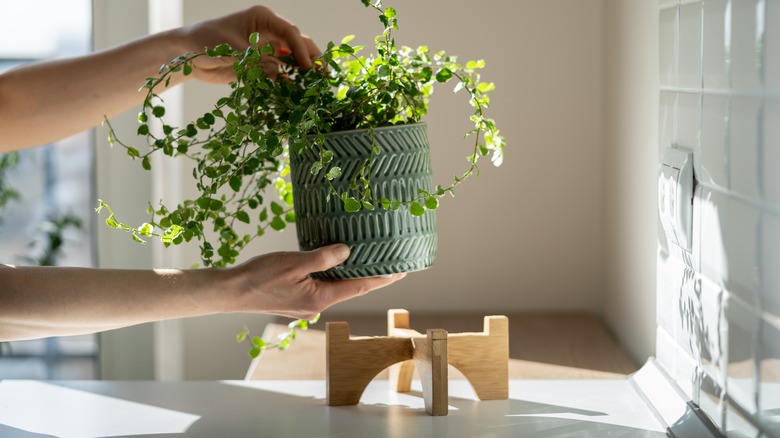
235	29
279	283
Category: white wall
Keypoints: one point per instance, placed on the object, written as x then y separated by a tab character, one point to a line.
525	237
510	233
630	169
719	302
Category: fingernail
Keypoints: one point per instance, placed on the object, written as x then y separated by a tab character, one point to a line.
342	252
284	51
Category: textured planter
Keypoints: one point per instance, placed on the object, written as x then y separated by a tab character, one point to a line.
382	242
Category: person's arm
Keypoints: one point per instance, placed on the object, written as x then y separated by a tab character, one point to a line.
46	101
45	301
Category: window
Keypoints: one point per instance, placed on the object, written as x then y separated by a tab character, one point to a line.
55	187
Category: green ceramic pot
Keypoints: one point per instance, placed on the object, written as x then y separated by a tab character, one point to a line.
382	242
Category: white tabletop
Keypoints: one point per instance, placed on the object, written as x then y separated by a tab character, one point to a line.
217	409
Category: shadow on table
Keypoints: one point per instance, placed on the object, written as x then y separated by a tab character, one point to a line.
236	410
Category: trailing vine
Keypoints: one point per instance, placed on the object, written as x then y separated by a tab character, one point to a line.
241	145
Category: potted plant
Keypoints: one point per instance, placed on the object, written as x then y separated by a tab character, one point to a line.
348	133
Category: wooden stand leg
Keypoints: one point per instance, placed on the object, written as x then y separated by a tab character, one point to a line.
352	363
484	358
400	374
430	357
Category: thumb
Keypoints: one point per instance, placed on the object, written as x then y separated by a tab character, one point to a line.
322	259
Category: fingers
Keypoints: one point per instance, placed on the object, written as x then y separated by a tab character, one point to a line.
340	290
314	51
271	66
301	46
324	258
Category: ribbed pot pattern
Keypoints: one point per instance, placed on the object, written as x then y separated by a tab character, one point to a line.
382	242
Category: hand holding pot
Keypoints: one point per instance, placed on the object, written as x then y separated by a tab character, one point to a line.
43	301
279	283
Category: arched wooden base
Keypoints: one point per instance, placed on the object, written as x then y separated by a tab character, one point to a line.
352	362
482	357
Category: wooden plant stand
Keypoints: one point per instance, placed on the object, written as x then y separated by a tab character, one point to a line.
352	362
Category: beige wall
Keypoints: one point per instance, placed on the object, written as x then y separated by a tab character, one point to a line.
527	236
521	237
630	169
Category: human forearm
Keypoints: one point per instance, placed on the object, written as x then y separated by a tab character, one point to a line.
37	302
45	301
47	101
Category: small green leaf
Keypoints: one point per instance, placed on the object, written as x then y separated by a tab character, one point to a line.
346	48
368	206
243	216
138	239
158	111
264	215
133	152
333	173
171	233
143	129
235	183
316	167
278	223
146	164
254	352
187	69
111	222
351	205
290	217
145	229
327	156
416	209
267	50
215	204
142	117
385	203
444	75
431	203
222	50
253	73
254	38
276	209
347	39
259	342
390	13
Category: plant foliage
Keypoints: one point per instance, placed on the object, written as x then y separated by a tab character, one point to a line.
241	146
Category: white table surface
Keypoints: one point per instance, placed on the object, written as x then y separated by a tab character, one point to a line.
222	409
